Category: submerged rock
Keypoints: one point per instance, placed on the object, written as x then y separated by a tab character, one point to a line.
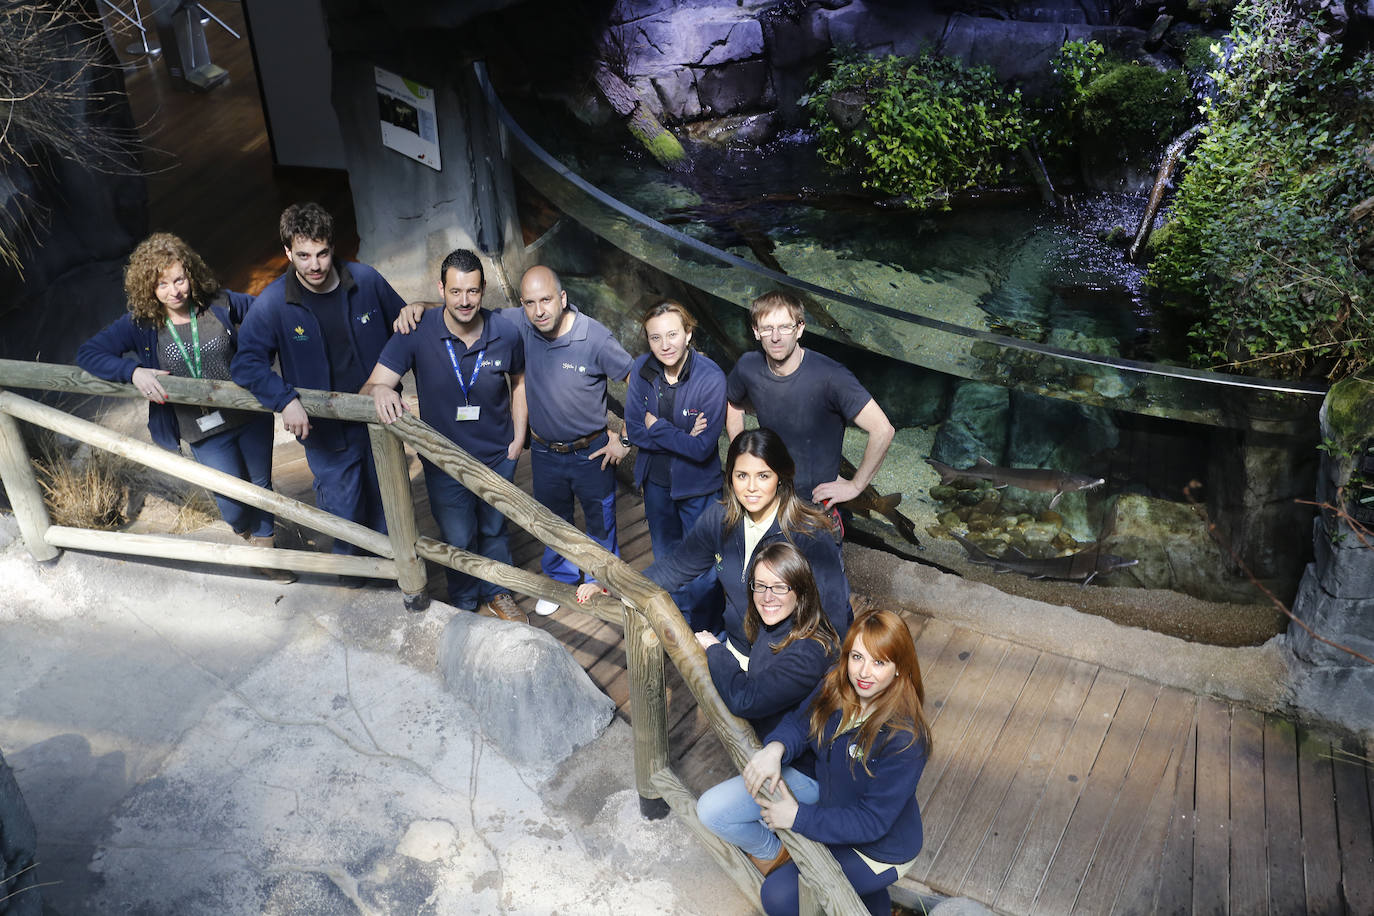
1174	549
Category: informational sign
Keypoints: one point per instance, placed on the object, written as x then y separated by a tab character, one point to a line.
407	114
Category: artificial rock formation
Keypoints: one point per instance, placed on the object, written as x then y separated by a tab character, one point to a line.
532	699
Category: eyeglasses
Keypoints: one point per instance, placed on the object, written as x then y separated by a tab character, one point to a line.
758	588
783	329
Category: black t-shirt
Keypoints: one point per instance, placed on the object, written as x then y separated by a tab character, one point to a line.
809	409
331	311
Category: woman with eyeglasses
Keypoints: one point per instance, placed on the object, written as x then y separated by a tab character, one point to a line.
867	729
759	507
792	645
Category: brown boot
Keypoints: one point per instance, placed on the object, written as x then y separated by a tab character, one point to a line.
284	576
767	868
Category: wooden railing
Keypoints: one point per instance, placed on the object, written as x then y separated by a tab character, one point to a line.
651	622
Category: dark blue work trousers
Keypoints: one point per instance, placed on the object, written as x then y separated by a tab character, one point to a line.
246	452
779	893
346	482
559	479
701	602
469	523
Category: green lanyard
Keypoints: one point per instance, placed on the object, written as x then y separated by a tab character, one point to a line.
191	366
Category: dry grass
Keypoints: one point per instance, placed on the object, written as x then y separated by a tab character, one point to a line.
91	494
196	509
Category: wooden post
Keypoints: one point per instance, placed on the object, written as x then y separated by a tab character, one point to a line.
648	710
16	472
393	479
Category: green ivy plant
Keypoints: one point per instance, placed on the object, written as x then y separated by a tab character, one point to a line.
926	127
1261	245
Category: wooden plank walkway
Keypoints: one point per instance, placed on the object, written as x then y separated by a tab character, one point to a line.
1058	786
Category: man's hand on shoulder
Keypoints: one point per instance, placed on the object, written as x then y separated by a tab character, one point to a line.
835	491
409	318
295	419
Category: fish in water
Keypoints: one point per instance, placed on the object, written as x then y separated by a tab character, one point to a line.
1083	565
870	501
1041	480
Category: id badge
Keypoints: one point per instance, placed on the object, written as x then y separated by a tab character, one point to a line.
467	412
209	421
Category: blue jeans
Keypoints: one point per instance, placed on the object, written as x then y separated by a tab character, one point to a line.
246	452
346	482
779	892
730	812
669	521
471	524
558	479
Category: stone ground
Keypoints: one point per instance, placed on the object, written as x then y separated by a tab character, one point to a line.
200	742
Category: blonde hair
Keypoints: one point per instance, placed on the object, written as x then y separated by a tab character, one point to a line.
669	307
154	255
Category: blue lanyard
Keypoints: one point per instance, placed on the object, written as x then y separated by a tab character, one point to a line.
458	373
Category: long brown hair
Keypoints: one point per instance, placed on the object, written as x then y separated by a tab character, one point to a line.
153	255
899	708
794	514
808	620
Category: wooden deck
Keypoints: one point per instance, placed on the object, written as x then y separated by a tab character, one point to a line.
1058	786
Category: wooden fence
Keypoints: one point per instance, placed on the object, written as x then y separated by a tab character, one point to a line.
652	624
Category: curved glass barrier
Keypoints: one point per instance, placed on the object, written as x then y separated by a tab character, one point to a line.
1171	392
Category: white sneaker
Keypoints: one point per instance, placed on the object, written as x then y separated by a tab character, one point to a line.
545	608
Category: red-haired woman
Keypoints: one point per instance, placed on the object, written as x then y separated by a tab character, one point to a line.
181	322
867	728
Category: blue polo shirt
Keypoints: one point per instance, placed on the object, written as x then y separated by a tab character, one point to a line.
426	350
565	378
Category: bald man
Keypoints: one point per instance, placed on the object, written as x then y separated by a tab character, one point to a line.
569	357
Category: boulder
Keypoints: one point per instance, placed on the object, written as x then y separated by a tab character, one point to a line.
1174	549
976	425
735	88
532	700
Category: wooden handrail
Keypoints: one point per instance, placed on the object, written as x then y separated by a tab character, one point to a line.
822	875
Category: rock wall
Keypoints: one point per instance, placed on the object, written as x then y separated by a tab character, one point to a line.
1336	596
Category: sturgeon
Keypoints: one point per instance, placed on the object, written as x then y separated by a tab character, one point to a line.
1040	480
1082	565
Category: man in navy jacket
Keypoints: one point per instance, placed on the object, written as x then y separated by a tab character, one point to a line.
326	323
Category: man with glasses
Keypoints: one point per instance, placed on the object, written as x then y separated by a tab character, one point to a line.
808	399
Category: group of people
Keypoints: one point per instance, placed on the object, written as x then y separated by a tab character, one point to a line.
752	555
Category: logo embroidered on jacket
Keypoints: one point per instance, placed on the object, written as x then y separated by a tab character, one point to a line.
300	333
365	318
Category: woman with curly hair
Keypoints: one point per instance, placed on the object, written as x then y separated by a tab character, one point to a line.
867	728
181	322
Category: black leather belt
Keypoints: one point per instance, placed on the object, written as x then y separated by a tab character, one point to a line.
564	448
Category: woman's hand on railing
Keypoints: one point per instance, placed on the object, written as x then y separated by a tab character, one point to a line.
764	769
145	380
780	814
587	589
706	639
